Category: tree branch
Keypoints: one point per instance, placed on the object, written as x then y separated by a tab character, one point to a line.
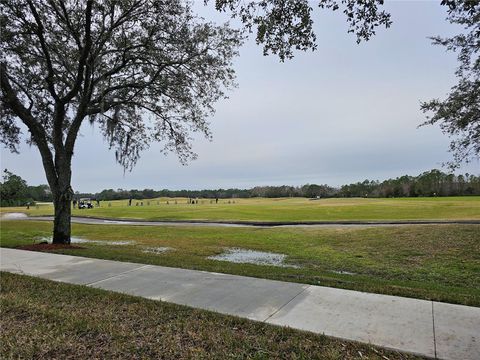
41	37
10	98
83	57
64	16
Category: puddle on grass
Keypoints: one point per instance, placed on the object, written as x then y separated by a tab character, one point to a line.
246	256
343	272
76	240
157	250
12	216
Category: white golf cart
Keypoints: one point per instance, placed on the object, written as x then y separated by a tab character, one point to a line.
85	203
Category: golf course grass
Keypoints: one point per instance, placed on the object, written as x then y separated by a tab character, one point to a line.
43	319
438	262
282	209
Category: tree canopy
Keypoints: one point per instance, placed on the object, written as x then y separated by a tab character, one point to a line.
284	26
142	70
459	113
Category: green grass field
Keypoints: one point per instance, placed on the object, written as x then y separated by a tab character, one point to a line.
283	209
43	319
439	262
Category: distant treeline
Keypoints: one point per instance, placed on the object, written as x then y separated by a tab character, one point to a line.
430	183
15	191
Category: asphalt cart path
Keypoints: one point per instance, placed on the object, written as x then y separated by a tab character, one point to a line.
136	222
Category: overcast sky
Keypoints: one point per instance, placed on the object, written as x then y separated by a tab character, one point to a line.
341	114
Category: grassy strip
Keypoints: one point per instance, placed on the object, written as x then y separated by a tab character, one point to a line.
44	319
284	209
437	262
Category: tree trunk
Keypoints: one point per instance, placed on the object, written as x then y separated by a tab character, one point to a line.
62	198
61	223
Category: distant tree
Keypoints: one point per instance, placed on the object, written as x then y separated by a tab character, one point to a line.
142	70
13	190
39	193
459	114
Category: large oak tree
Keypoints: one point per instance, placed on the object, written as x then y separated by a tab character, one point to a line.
141	70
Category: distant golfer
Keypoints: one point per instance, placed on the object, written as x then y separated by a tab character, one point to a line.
130	202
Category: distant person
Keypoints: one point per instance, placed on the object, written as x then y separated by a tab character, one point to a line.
98	203
28	205
74	203
216	200
130	202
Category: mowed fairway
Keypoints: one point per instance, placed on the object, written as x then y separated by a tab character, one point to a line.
439	262
283	209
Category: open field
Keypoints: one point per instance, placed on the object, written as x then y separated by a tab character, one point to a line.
438	262
44	319
283	209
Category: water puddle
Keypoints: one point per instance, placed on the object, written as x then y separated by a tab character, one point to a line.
13	216
77	240
343	272
157	250
246	256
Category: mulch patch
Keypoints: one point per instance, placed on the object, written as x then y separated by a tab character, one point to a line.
48	247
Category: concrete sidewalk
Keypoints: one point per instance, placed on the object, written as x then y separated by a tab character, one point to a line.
423	327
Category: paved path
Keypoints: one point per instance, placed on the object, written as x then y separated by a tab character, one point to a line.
351	223
423	327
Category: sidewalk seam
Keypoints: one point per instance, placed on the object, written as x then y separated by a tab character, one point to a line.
434	339
116	275
288	302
